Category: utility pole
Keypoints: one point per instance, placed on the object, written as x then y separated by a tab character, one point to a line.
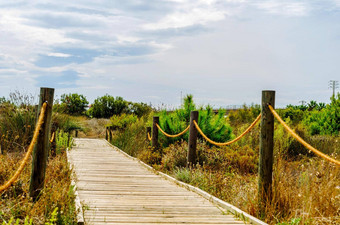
333	84
302	102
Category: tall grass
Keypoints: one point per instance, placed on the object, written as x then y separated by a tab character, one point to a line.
305	188
58	192
17	123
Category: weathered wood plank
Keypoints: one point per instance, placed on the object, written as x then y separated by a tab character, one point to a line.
119	190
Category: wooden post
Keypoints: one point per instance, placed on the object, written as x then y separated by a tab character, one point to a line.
40	152
154	141
68	137
106	134
266	150
191	157
110	134
77	133
148	132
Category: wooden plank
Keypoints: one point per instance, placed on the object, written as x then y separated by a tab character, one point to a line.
119	190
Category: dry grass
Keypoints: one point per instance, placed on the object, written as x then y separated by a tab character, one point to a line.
306	189
15	202
93	128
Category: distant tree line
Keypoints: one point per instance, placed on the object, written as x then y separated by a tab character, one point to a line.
102	107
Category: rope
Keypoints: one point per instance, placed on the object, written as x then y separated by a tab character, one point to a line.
299	139
229	142
149	137
29	151
172	135
52	138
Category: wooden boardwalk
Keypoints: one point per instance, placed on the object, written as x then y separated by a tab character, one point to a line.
119	190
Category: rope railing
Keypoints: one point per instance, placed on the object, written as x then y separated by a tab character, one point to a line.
299	139
229	142
29	151
52	137
173	135
149	137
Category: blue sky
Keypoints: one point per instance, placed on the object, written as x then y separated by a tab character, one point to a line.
224	52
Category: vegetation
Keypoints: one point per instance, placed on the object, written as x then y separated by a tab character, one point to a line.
17	122
74	104
122	121
305	187
327	121
56	202
107	106
215	126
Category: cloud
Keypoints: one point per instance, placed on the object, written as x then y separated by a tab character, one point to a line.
58	54
73	55
187	18
290	8
140	48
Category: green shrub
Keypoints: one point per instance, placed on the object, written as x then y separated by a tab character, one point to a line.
175	156
245	115
107	105
139	109
65	122
122	121
63	141
326	121
214	126
132	139
295	115
74	104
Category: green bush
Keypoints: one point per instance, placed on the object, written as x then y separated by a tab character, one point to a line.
327	120
107	106
294	114
245	115
132	139
214	126
65	122
122	121
139	109
74	104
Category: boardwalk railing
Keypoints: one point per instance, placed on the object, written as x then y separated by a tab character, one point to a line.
266	143
39	146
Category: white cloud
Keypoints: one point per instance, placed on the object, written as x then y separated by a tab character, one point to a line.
187	18
58	54
193	12
284	8
146	48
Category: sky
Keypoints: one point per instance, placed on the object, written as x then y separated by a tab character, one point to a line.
223	52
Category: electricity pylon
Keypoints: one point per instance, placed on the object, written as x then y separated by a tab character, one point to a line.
334	84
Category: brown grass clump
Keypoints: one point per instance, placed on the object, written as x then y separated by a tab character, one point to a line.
58	193
308	190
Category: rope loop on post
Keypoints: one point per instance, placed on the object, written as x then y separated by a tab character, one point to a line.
29	151
229	142
299	139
